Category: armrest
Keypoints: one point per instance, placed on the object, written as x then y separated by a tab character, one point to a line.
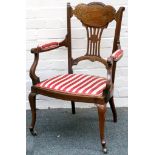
49	46
40	49
117	55
108	91
33	76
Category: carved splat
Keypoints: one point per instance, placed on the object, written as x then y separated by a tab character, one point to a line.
93	40
93	46
94	14
95	17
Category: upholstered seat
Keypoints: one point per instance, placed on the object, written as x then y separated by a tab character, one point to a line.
75	84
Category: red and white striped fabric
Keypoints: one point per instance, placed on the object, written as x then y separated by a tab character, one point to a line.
75	84
117	54
49	45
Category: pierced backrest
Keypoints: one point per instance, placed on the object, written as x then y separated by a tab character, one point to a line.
93	39
95	17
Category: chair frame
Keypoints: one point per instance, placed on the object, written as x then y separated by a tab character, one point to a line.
99	101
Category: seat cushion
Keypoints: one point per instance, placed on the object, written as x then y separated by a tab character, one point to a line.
75	84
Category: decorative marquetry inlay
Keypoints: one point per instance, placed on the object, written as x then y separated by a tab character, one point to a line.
95	17
94	14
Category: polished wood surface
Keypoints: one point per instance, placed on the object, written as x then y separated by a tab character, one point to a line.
95	17
94	14
101	114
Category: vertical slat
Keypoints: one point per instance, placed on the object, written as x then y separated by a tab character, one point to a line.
93	46
97	44
90	50
88	41
100	34
93	53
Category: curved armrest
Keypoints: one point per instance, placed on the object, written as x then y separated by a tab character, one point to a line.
117	55
108	91
40	49
33	76
49	46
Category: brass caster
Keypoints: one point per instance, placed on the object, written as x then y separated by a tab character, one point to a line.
105	151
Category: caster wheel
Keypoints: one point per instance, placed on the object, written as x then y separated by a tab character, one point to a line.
33	132
105	151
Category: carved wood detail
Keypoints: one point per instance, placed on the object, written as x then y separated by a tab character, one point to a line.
90	58
33	76
93	40
94	14
95	17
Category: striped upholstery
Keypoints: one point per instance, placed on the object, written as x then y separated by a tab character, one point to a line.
117	54
75	84
49	45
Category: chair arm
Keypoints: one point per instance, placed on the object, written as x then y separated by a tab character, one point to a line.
117	55
33	76
108	91
49	46
43	48
40	49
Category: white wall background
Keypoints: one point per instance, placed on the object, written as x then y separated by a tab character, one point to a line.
46	21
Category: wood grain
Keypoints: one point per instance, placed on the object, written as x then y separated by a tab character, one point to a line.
94	14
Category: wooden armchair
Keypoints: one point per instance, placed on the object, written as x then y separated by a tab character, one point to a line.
95	17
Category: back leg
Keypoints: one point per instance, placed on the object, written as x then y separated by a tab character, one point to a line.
73	107
32	101
113	109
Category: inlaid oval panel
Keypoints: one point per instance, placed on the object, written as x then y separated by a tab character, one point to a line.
94	14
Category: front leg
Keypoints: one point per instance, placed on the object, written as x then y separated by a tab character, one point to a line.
101	115
32	101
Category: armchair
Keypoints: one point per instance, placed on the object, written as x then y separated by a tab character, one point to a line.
95	17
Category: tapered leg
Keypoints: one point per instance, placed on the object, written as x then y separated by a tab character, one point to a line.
32	101
112	105
101	115
73	107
